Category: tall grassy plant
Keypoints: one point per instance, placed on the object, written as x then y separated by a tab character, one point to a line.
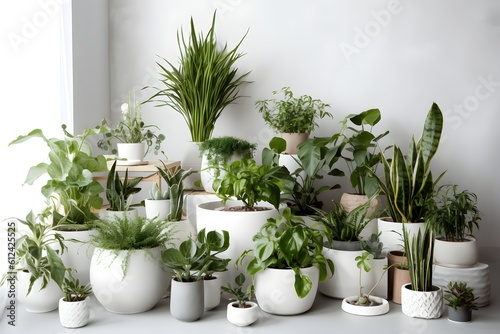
205	82
419	251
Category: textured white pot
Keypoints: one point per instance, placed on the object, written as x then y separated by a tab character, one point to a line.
457	254
392	233
74	314
157	208
422	304
242	316
132	152
383	308
38	301
275	292
242	226
136	291
78	253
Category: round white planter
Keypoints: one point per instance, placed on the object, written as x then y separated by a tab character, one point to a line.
242	226
383	308
422	304
392	233
74	314
78	253
38	301
456	254
136	291
242	316
132	152
157	208
275	292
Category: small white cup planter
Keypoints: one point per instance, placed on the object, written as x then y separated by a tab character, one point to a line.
422	304
275	292
381	307
131	152
242	316
456	254
159	208
74	314
38	301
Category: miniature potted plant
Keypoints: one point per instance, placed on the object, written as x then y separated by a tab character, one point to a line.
127	256
135	138
420	298
453	215
292	117
38	266
158	203
189	263
408	182
242	311
250	194
74	309
286	250
218	151
365	304
461	301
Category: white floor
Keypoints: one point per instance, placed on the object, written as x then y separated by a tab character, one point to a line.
325	315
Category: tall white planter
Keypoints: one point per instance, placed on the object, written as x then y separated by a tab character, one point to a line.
422	304
138	290
275	292
242	226
392	233
191	159
78	253
38	301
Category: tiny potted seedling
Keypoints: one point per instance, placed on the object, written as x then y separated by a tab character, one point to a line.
74	309
241	311
365	304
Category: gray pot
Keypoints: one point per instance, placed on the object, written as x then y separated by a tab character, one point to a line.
187	300
459	315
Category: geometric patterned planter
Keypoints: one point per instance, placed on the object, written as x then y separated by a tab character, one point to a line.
422	304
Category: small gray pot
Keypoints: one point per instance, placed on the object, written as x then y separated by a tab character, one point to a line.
459	315
187	300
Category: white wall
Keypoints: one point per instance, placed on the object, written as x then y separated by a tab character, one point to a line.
399	56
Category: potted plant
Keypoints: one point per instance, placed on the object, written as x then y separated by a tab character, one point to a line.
408	181
218	151
341	231
286	250
241	311
460	300
119	193
189	264
420	298
365	304
175	184
158	203
135	138
292	117
71	191
127	257
453	215
74	309
250	194
37	266
203	84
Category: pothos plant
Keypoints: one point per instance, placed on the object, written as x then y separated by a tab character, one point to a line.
292	114
286	242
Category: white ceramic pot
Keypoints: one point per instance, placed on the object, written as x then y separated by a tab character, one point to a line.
208	175
391	233
132	152
186	300
37	301
212	292
191	159
74	314
242	226
422	304
242	316
182	230
275	292
293	140
382	308
157	208
456	254
345	281
109	214
137	290
78	253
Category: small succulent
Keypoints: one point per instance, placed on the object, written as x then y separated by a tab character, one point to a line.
460	296
157	194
